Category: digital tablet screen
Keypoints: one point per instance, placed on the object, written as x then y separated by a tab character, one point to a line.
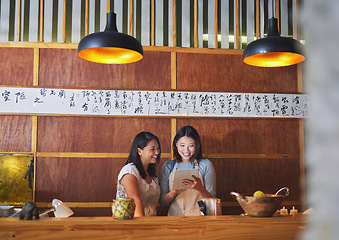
182	174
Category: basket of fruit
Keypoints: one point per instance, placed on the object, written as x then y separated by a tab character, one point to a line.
261	204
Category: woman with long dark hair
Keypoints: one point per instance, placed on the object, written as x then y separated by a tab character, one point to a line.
188	154
138	178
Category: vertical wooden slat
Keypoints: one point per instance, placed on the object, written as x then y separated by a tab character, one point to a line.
301	124
173	133
173	70
41	23
277	16
152	22
86	17
296	19
195	27
64	23
36	67
302	165
108	6
34	147
173	86
18	20
299	66
34	134
257	17
216	23
300	78
34	177
174	27
130	20
236	37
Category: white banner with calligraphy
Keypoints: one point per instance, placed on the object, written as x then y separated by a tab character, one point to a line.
151	103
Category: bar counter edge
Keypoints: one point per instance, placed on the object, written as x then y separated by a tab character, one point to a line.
159	227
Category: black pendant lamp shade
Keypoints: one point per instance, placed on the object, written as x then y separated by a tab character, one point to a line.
274	50
110	46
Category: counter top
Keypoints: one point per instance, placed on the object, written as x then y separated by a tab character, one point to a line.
160	227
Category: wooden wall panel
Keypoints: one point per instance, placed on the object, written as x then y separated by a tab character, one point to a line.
16	133
227	72
90	212
63	68
16	66
249	175
78	179
94	179
246	136
98	134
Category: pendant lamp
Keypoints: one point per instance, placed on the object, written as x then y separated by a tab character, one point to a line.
274	50
110	46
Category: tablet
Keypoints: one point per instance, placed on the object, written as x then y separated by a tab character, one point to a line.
182	174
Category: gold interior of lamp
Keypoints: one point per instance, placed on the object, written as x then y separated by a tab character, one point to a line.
110	55
274	59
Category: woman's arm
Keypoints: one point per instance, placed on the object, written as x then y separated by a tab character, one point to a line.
167	196
209	177
131	186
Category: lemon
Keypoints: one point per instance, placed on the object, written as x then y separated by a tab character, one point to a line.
259	194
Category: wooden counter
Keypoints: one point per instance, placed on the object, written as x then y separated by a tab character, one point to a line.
203	227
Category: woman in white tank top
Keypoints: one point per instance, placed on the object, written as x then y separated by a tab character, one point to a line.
138	178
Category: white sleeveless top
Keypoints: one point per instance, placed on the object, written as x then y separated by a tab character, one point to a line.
149	193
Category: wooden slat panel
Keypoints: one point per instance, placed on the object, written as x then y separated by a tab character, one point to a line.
16	66
217	72
71	179
78	180
247	176
246	136
16	132
80	134
63	68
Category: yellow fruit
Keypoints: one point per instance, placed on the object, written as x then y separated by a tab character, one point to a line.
259	194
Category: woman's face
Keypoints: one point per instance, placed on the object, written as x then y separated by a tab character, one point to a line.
150	153
186	148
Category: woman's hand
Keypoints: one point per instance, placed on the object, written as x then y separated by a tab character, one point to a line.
168	197
197	185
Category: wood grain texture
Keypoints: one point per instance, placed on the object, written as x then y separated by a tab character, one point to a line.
78	179
95	134
90	155
63	68
72	179
201	227
16	133
217	72
246	176
16	66
246	136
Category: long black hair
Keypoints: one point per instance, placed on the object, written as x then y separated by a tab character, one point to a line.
187	131
141	140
